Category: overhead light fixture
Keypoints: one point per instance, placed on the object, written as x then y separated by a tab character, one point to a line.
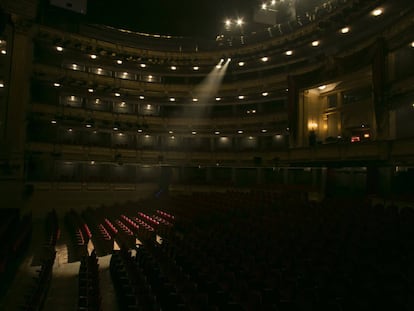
70	130
315	43
193	132
265	93
264	130
345	30
90	90
195	99
240	132
241	97
172	99
322	87
239	22
412	44
264	6
196	68
377	12
88	125
93	56
141	97
218	99
288	53
59	48
119	62
56	84
117	94
149	107
217	133
173	68
265	59
53	121
139	130
4	52
170	132
1	84
241	64
143	65
115	128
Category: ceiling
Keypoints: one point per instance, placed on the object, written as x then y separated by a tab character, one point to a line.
196	18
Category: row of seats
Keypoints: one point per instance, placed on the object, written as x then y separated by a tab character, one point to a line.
89	288
37	293
15	236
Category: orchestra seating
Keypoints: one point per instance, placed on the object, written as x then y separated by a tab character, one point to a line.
89	288
37	293
15	236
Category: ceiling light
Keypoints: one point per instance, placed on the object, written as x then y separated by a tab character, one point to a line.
173	68
97	101
122	104
264	130
172	137
265	59
273	2
1	84
195	99
74	66
265	93
143	65
4	52
241	64
90	90
149	107
88	125
345	30
227	22
70	130
240	132
264	6
172	99
196	68
170	132
377	12
217	132
59	48
56	84
119	62
141	97
147	136
288	53
193	132
315	43
322	87
239	22
53	122
93	56
139	131
241	96
412	44
218	99
117	94
115	128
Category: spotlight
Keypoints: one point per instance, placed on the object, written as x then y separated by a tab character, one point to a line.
241	64
265	59
377	12
227	22
315	43
59	48
288	53
345	30
93	56
239	22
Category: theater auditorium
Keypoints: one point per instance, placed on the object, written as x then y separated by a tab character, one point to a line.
236	155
